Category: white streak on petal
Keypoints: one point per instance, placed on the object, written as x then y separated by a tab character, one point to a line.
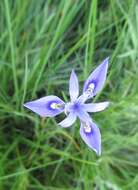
73	86
68	121
96	107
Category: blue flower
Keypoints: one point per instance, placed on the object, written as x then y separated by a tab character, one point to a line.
51	106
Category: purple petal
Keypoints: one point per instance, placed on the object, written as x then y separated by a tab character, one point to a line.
96	80
91	137
96	107
73	86
83	97
68	121
48	106
83	115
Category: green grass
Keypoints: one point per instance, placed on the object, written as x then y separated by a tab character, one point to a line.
40	42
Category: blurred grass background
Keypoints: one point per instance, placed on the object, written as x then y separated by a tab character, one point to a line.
40	42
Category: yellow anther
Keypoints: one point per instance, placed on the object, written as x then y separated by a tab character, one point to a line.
91	87
87	128
55	105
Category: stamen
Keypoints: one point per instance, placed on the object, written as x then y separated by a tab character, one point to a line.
56	106
91	87
87	128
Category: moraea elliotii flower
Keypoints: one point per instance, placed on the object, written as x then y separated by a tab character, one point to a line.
51	106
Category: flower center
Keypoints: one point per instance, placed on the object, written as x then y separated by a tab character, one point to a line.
73	107
76	106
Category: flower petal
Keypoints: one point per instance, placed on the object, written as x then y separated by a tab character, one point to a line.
69	120
96	107
96	80
83	115
48	106
73	86
82	98
92	138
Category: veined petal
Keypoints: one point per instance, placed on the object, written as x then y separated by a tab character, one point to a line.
96	80
96	107
48	106
91	137
73	86
69	120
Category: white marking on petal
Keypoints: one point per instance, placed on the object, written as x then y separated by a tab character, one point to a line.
87	128
73	86
91	87
53	105
56	106
68	121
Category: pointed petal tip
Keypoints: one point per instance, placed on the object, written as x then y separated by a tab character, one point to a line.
107	58
72	71
106	61
106	104
64	125
68	121
98	152
26	105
